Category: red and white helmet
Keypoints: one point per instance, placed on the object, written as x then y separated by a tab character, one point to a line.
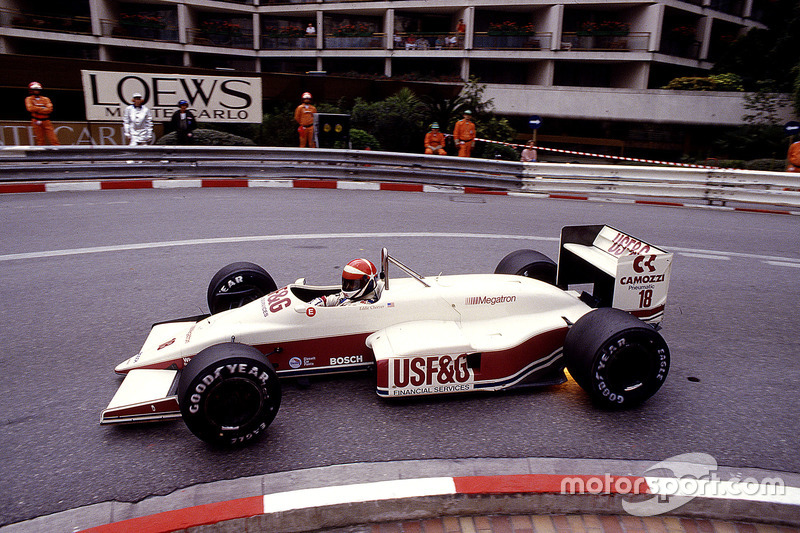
359	279
306	95
35	85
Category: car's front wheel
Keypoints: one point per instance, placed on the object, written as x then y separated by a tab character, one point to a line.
238	284
615	357
228	394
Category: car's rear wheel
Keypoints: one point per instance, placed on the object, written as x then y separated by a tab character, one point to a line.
238	284
615	357
228	394
528	263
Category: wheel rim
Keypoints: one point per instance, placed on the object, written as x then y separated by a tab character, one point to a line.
629	369
234	403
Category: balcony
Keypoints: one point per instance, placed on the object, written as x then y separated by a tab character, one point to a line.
152	31
493	41
374	41
30	21
277	42
606	41
428	41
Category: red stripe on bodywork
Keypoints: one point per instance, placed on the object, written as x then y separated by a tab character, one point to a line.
126	184
551	483
180	519
22	187
404	187
315	184
225	182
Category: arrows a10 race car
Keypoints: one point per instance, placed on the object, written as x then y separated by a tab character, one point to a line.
425	335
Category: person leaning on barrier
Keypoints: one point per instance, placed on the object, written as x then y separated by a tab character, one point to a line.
183	123
793	157
434	141
137	122
464	134
528	155
40	108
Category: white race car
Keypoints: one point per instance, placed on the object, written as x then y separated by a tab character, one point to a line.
425	335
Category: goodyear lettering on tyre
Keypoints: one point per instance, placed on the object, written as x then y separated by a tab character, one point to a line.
438	374
221	372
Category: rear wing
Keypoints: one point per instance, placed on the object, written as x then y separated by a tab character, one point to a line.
626	273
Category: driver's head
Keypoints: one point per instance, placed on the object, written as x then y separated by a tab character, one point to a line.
359	279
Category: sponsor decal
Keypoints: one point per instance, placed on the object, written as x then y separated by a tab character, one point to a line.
626	245
264	309
295	362
189	333
168	343
644	261
309	361
211	98
490	300
633	280
436	374
311	312
346	360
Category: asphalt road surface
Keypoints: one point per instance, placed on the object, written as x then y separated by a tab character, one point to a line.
85	274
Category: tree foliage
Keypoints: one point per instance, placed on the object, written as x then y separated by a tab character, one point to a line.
398	122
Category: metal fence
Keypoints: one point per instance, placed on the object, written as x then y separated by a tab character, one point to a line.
48	164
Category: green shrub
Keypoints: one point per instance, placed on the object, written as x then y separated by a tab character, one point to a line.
728	82
502	152
360	139
768	165
204	137
692	83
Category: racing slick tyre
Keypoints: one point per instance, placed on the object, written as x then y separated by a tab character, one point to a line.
528	263
615	357
228	394
237	284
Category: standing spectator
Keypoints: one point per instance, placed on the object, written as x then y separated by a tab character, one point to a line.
434	141
310	30
461	30
138	122
183	123
304	115
528	155
40	108
793	157
464	134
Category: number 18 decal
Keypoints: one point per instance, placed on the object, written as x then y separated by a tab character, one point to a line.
645	298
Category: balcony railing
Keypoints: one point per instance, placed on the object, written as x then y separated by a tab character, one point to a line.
375	41
31	21
134	30
238	39
428	41
305	42
682	48
534	41
605	41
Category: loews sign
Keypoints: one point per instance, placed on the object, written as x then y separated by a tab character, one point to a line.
211	98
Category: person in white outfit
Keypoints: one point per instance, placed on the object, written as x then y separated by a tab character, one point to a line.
138	122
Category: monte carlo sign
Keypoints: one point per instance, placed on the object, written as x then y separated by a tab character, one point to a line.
211	98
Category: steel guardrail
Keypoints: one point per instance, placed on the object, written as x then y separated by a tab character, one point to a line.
710	185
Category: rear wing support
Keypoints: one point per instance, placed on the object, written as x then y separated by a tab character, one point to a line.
626	273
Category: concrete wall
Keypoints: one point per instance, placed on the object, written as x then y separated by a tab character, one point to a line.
659	106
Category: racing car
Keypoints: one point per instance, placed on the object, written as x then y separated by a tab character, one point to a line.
596	312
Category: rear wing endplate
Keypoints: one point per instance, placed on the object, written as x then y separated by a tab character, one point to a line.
626	273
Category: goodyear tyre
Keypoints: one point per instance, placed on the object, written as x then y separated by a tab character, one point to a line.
528	263
238	284
615	357
229	394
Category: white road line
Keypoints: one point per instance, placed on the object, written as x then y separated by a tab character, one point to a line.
707	256
261	238
361	492
783	264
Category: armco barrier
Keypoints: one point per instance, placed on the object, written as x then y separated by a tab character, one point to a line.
40	164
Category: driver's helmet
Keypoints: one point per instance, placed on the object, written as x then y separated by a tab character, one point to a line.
359	279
